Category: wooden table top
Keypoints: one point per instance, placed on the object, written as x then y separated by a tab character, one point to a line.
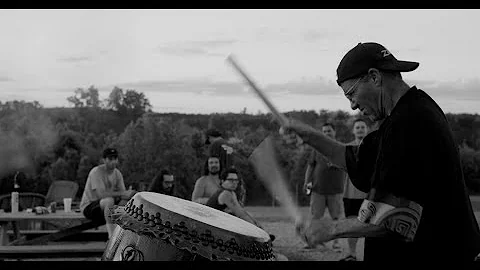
59	215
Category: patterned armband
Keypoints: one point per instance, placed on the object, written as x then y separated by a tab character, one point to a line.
403	219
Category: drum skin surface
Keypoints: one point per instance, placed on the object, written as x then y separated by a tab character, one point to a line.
157	227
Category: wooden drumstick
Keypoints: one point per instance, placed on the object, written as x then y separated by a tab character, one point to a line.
277	114
264	160
281	119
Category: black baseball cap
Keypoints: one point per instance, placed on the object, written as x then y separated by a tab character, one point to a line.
110	152
212	132
368	55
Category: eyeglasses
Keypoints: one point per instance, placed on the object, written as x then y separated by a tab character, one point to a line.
233	179
352	88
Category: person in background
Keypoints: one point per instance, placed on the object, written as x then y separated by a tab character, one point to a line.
104	189
220	148
225	199
209	183
163	183
326	184
353	197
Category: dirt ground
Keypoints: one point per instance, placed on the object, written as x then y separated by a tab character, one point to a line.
287	242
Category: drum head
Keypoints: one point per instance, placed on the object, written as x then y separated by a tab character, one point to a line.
194	227
205	214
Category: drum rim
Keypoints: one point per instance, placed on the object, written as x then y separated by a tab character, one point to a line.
184	236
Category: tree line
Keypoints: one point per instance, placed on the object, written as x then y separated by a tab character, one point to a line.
49	144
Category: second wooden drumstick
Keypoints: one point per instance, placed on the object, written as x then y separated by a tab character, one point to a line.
265	162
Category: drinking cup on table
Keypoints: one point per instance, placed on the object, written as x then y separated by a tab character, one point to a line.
67	204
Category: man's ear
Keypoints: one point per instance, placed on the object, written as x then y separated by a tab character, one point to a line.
375	76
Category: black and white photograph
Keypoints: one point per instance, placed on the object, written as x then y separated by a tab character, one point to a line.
321	135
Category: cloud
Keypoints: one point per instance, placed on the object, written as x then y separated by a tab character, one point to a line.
191	95
314	87
322	36
208	87
212	43
183	51
316	35
4	78
457	90
467	89
196	47
198	86
280	35
456	96
414	49
74	59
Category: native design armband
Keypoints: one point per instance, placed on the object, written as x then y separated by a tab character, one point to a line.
403	219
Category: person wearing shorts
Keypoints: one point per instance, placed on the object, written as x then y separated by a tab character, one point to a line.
352	197
104	189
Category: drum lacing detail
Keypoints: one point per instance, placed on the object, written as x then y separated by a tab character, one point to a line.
180	229
231	245
168	227
156	226
194	235
207	238
158	220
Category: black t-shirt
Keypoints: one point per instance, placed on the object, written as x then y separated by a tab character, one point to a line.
213	200
326	179
413	156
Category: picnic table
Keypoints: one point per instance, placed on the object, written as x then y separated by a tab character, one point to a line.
41	246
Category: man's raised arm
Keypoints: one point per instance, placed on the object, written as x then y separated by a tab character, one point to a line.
333	150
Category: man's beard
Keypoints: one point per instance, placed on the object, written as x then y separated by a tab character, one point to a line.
214	172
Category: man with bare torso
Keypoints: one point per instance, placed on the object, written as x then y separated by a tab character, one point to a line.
209	183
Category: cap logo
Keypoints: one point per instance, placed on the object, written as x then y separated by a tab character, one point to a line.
385	53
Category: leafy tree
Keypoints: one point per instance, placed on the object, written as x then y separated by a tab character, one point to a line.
85	98
115	99
471	167
84	166
53	143
60	170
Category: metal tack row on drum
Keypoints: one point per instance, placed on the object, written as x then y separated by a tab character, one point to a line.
157	227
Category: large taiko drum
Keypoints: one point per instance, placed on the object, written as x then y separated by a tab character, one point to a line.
157	227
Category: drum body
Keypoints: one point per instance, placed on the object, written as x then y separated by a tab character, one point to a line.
157	227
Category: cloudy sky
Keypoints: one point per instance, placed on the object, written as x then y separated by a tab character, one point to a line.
177	57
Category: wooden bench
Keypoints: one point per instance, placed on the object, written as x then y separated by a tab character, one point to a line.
56	236
80	250
87	235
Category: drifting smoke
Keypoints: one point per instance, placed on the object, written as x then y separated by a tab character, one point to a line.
25	138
